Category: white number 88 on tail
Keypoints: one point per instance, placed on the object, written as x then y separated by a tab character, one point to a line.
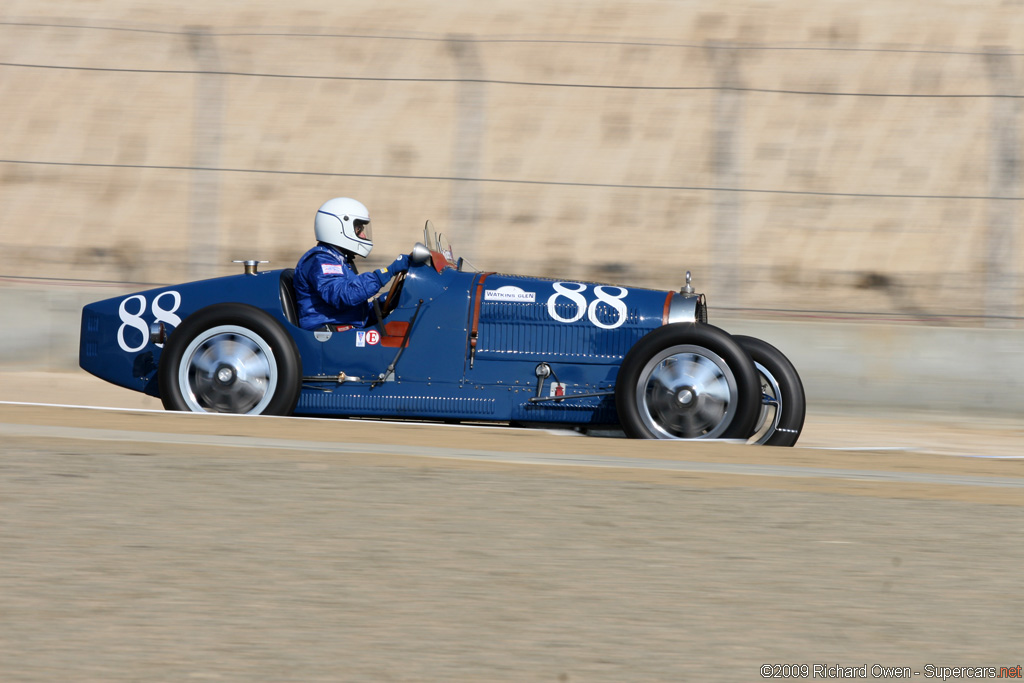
573	291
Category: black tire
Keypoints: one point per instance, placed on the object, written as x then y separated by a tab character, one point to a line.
777	425
687	381
230	358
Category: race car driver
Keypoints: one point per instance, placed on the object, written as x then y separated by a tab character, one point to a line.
328	288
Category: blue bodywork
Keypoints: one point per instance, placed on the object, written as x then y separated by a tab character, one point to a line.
472	350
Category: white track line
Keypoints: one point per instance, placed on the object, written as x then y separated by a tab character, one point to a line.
365	420
552	431
83	407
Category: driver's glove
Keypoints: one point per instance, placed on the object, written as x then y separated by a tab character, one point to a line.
399	265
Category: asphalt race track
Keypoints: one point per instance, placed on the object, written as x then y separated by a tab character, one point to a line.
149	546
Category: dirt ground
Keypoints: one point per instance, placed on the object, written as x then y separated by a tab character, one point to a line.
165	547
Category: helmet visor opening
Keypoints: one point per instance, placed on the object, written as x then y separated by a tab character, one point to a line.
362	229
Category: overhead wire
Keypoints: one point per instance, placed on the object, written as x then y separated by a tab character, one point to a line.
460	38
512	181
493	81
672	88
191	72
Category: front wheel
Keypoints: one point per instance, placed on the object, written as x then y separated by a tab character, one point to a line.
230	358
783	405
687	381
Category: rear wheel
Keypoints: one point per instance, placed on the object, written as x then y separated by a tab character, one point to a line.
230	358
783	404
687	381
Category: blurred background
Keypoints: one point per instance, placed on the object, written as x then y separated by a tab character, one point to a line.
842	178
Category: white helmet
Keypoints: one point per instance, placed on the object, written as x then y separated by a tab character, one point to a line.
345	224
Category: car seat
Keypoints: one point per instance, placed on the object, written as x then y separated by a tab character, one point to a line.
288	307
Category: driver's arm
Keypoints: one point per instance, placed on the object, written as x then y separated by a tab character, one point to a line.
340	287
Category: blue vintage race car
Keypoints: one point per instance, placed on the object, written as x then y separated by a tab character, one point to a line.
454	345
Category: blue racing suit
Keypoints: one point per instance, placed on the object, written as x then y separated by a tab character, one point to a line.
329	290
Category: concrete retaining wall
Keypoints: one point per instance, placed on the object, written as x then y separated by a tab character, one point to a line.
900	366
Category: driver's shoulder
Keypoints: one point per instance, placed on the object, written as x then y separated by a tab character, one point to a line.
321	251
318	256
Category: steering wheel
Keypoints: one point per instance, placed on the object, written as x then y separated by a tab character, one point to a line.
394	294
